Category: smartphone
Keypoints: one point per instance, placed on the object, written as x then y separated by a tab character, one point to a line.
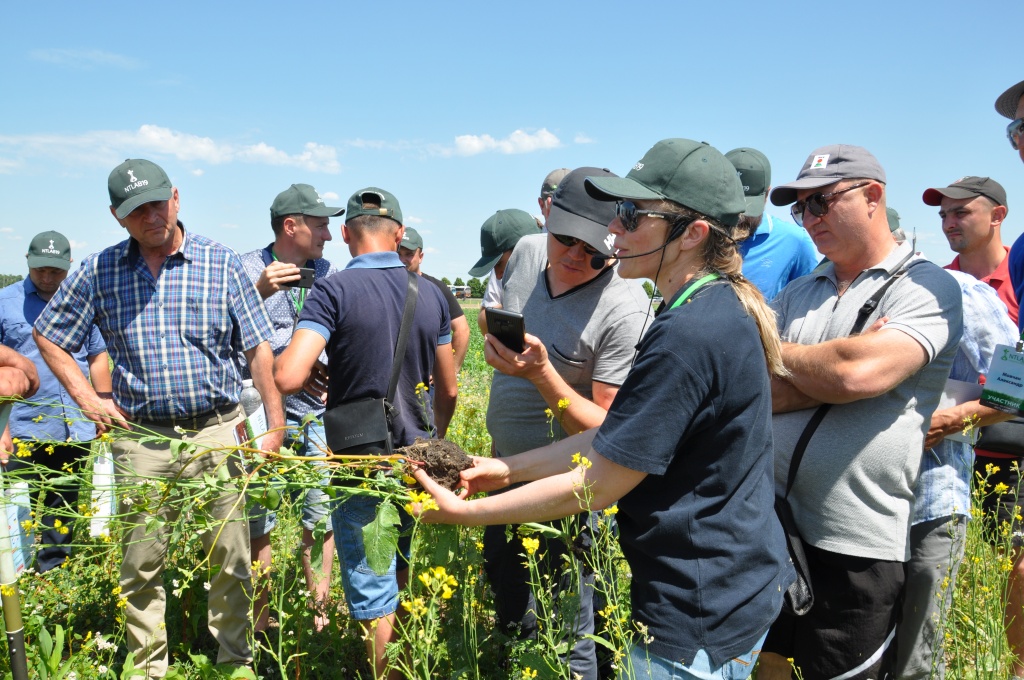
305	279
507	327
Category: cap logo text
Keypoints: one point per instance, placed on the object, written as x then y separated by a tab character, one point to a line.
638	166
51	250
820	161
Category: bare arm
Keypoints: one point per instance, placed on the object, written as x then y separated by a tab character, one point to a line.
573	490
293	366
446	388
261	364
102	411
845	370
460	341
953	419
11	359
481	321
534	365
786	397
99	373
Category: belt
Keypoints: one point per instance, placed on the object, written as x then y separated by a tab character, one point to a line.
217	416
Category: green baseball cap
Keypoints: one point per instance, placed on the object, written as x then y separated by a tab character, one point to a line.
499	233
372	195
134	182
49	249
893	218
301	199
692	174
755	173
412	239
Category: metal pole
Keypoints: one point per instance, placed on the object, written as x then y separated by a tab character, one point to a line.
9	597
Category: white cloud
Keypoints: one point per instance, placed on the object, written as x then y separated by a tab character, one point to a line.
581	138
229	225
78	245
329	196
8	166
198	172
517	142
85	59
6	230
413	220
112	146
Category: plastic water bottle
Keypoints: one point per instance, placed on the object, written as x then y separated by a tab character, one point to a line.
249	400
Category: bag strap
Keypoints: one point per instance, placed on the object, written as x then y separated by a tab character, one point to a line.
862	317
411	295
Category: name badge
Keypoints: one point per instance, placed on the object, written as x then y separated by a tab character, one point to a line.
1004	386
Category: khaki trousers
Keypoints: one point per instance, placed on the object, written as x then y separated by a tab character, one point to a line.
226	543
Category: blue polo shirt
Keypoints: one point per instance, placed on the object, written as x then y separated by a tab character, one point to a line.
358	311
20	305
778	252
1016	258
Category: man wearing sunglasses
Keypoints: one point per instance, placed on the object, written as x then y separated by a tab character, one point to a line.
1011	105
852	496
582	321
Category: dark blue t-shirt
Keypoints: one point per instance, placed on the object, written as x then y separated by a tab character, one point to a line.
359	312
1017	274
707	552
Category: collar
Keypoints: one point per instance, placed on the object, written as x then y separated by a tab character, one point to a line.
765	227
30	287
185	250
268	257
890	265
385	259
1001	274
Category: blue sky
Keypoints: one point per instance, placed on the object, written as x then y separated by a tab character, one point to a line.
461	109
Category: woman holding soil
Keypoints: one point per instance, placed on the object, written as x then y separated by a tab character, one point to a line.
686	448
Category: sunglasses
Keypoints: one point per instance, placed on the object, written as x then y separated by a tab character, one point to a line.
818	203
629	214
1014	131
570	241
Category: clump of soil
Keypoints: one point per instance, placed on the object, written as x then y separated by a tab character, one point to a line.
441	459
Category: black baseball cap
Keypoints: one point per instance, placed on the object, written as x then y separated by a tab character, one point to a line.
575	213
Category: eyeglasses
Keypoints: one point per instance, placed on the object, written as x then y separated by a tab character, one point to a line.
818	203
570	241
629	214
1014	131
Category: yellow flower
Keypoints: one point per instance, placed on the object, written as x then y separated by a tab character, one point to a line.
531	545
38	419
425	500
549	414
563	404
611	510
579	459
528	673
408	479
1000	489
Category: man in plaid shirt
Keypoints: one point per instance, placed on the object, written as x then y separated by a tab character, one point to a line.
174	308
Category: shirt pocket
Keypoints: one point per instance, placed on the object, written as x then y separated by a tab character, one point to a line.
573	369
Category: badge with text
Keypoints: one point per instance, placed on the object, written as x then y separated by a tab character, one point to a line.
1004	387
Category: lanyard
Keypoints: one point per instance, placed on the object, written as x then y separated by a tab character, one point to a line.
298	296
693	289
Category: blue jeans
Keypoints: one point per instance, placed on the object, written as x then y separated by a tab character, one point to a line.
368	595
305	441
649	667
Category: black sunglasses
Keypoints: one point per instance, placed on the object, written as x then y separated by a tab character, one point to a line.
570	241
1014	131
629	214
818	203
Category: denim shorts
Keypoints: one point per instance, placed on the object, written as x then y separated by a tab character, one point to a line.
650	667
308	441
368	595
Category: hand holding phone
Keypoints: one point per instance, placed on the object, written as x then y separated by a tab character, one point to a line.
507	327
305	279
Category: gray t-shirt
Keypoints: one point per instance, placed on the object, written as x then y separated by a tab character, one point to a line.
590	334
853	494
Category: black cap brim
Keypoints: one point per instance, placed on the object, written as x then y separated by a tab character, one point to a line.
564	223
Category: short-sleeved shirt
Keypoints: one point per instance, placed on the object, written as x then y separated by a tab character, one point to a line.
51	414
590	333
493	292
777	253
1015	265
454	308
358	312
707	553
944	485
1000	281
283	309
853	494
173	339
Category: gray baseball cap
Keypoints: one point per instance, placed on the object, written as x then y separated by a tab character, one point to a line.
552	181
575	213
1006	104
828	165
967	187
755	173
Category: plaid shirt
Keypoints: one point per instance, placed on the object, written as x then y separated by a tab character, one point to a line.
944	487
173	339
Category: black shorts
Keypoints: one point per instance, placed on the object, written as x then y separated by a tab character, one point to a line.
851	629
999	504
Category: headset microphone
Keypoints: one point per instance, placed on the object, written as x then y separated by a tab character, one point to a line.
597	261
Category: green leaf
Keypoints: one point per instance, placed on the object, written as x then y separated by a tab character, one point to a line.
601	641
380	538
442	543
223	474
309	418
153	523
179	447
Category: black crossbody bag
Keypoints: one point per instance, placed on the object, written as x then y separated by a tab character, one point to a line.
799	597
366	426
